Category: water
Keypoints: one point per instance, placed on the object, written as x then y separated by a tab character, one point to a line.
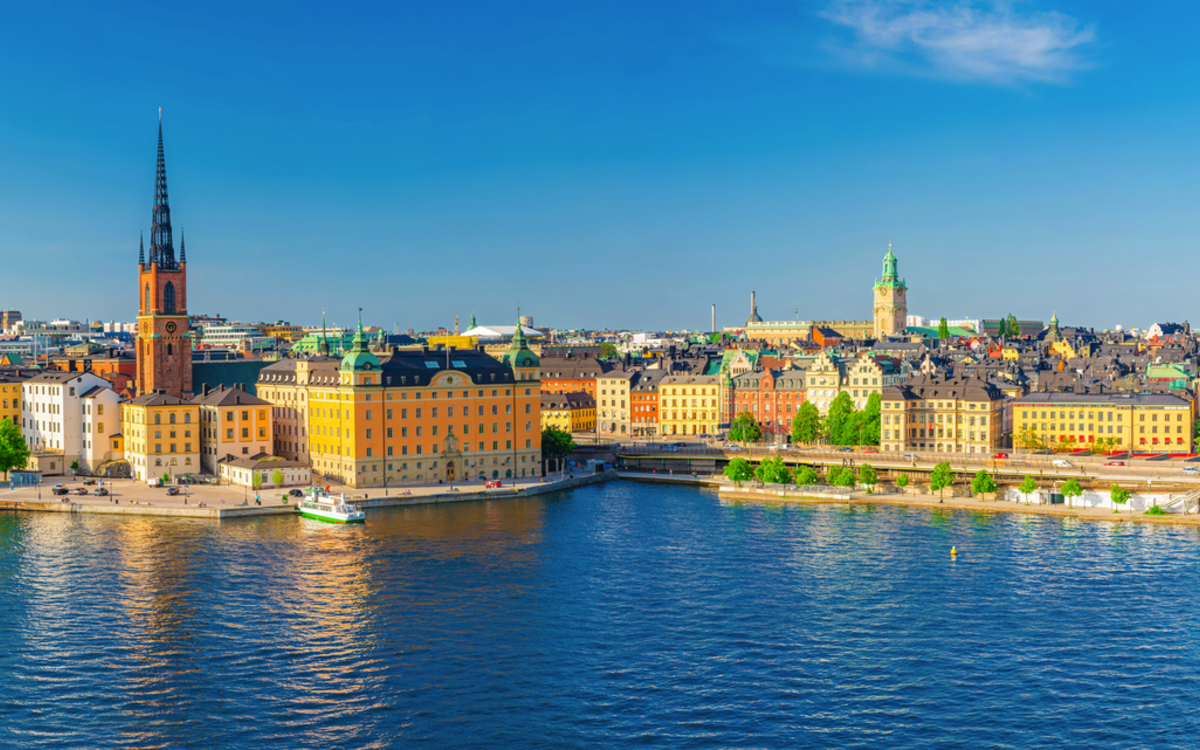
615	616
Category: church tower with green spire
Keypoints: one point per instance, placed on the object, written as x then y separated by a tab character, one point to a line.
891	303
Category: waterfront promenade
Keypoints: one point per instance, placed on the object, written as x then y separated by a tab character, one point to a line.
752	491
128	497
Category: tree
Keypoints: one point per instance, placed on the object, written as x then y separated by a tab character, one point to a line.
941	478
1028	487
557	444
277	477
805	475
839	420
1119	495
943	329
870	419
1071	488
902	480
74	466
738	470
772	471
166	478
608	350
745	429
845	478
1013	329
867	476
14	453
983	483
256	480
806	425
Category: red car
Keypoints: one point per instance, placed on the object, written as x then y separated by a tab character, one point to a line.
493	483
1000	455
1114	463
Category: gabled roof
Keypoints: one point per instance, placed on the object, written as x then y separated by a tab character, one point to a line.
228	397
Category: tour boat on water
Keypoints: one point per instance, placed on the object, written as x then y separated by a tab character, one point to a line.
331	508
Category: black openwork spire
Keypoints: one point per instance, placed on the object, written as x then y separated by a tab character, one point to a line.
182	249
162	249
141	249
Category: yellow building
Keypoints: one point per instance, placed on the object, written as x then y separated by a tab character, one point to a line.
612	403
233	423
570	412
414	415
10	396
161	434
1105	422
942	415
689	405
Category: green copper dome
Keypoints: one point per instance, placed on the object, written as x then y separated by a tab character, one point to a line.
518	353
359	357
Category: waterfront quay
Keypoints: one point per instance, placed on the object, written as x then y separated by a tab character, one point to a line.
223	502
1161	473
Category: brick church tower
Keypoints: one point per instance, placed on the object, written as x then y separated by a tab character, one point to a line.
164	345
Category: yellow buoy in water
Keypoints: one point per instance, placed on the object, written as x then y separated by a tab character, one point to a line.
954	551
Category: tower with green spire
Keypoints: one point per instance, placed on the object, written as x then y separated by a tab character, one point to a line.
519	357
1053	333
359	365
890	299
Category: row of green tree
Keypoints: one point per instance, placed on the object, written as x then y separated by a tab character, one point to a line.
774	471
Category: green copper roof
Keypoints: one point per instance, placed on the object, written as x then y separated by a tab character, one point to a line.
518	353
359	357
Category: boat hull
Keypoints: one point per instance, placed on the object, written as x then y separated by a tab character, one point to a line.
318	516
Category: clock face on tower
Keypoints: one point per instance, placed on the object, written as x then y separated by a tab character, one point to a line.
171	326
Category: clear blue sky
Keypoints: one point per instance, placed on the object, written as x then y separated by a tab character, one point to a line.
606	164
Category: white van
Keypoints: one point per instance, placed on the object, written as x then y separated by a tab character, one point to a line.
1061	463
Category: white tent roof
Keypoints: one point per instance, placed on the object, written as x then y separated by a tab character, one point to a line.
500	332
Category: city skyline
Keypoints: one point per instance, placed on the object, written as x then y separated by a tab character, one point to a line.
667	160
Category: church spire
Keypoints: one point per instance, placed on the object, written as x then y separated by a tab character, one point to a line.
141	249
162	249
182	249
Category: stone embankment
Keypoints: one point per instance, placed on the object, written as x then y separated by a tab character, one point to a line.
129	499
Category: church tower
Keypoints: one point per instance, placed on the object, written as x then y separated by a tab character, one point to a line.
891	304
164	345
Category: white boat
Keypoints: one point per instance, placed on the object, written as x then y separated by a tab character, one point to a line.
331	508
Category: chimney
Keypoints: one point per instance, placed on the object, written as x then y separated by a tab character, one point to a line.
753	305
204	390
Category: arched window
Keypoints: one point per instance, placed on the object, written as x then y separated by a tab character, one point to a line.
171	418
157	419
169	299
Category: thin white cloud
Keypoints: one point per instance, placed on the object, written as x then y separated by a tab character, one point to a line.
993	42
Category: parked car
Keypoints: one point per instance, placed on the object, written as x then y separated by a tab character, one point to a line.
172	490
999	454
81	491
60	490
1191	470
1115	463
844	449
102	491
1061	463
870	449
89	482
492	483
296	493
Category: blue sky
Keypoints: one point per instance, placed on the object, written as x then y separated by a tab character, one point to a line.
606	164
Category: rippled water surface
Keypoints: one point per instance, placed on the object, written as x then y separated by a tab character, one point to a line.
613	616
